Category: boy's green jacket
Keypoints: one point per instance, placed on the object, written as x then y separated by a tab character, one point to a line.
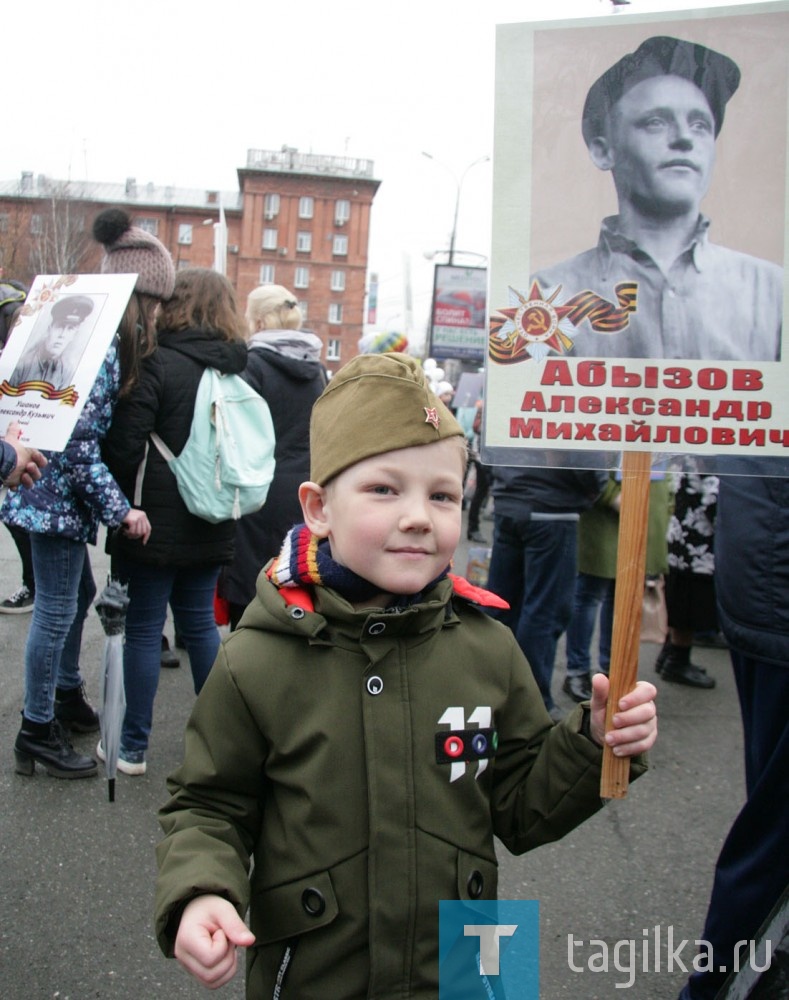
364	760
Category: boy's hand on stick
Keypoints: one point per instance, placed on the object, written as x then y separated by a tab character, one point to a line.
634	721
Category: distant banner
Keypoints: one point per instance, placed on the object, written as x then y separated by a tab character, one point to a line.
458	326
372	299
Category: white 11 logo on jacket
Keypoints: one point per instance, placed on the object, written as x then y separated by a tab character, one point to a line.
462	744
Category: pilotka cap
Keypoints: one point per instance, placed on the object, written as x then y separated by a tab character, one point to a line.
375	403
716	76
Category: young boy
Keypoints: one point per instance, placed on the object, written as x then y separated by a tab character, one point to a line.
368	728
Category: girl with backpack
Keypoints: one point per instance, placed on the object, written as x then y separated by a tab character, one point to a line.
199	327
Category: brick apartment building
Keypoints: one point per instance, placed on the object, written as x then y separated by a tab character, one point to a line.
298	219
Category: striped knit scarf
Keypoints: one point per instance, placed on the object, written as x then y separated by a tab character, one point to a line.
305	560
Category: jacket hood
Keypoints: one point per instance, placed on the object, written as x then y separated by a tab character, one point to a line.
207	349
291	351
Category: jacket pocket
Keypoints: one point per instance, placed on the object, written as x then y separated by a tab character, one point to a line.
287	911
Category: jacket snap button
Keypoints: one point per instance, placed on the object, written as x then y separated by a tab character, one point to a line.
375	684
297	613
313	902
475	884
376	628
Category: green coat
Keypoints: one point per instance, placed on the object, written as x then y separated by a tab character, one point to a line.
317	746
598	532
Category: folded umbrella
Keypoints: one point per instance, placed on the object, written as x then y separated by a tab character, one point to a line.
111	607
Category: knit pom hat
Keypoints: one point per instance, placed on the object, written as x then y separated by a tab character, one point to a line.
375	403
383	342
130	250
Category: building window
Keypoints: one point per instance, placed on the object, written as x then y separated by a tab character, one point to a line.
185	233
304	309
36	225
4	222
271	206
342	211
267	274
340	246
335	312
148	225
303	242
301	278
269	239
306	207
333	349
338	281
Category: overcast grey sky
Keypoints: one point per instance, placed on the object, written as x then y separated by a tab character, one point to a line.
176	91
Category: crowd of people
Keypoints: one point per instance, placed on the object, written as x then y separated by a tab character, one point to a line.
313	744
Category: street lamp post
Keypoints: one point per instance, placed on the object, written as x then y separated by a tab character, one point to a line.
432	254
459	185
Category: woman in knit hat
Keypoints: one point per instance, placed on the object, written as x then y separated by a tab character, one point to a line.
199	327
62	512
284	366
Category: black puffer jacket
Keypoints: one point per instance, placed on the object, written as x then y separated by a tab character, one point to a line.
290	386
163	401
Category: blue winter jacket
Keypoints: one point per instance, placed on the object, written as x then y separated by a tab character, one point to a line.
76	491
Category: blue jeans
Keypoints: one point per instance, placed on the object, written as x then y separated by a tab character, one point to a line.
190	594
533	566
592	594
64	592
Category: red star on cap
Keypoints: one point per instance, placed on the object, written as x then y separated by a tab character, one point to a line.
431	416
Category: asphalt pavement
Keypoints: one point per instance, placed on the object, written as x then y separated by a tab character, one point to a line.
77	872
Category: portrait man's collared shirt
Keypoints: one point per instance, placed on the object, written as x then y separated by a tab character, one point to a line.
39	369
714	303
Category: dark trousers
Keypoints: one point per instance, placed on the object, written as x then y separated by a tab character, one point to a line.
22	542
532	566
753	866
481	492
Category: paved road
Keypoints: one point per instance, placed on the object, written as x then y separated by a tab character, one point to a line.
77	873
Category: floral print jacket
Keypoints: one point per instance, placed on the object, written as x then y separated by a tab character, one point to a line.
76	491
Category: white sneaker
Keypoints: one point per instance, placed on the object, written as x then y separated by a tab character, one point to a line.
19	603
132	767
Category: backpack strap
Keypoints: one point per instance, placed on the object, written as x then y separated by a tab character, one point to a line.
137	500
161	447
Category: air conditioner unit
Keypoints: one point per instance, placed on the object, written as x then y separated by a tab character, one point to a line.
340	222
269	216
233	248
282	251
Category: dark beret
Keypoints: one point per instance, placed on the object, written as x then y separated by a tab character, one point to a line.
76	306
716	76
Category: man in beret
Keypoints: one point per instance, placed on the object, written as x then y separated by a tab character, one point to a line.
43	361
659	287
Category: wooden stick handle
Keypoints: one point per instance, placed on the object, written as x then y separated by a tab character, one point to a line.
628	603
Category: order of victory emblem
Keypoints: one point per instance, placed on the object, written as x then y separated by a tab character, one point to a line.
532	326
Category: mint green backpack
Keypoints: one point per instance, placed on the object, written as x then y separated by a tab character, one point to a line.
227	464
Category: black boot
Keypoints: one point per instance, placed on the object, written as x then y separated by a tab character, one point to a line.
678	669
169	658
661	657
47	744
74	711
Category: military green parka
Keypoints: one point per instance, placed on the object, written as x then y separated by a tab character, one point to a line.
364	760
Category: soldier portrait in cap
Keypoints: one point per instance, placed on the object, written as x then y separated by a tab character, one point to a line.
53	354
658	282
